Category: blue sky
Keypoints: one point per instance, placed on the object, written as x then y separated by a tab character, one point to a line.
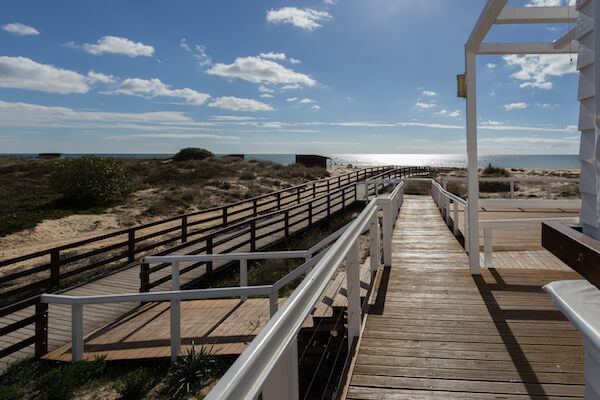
334	76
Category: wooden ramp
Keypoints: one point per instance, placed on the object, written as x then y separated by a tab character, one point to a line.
227	326
436	332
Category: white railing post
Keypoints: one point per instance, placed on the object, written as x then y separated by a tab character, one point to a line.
353	282
466	227
366	192
512	189
273	302
282	382
447	207
548	191
455	217
487	247
244	276
375	251
77	332
175	314
388	224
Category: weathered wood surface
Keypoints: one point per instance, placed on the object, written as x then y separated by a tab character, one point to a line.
435	332
124	281
226	326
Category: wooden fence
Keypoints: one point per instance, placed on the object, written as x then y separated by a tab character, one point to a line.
228	238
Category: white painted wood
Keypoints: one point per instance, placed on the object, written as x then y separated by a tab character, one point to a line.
586	83
244	276
512	190
537	15
524	48
455	217
487	18
487	247
374	249
282	383
586	51
353	285
388	227
273	302
529	203
523	222
472	172
77	332
175	313
566	39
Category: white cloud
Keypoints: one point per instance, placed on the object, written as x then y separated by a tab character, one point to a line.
302	18
23	73
290	99
535	69
316	107
331	2
453	114
265	89
295	61
231	118
491	66
291	87
515	106
20	29
118	45
490	122
273	56
549	3
420	104
198	52
544	105
259	70
266	95
94	77
307	101
174	136
154	87
237	104
429	93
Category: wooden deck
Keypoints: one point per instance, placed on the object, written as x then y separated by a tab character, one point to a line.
436	332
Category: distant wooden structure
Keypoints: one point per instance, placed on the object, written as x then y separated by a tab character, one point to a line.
311	160
49	156
237	156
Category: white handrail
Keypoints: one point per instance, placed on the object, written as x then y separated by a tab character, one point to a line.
529	203
512	180
489	225
270	361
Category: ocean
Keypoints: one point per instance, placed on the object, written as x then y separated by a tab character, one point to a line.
434	160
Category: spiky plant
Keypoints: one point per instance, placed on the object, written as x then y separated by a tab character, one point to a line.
189	373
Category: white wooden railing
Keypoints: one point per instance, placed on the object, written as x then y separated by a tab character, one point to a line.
269	365
547	181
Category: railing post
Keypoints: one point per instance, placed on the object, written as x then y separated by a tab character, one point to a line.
209	250
175	314
466	227
447	205
375	250
310	213
273	302
314	188
41	329
487	247
298	195
184	230
548	191
388	224
512	189
76	332
328	204
253	236
131	246
366	192
54	267
282	382
287	224
328	185
339	181
254	208
356	192
144	277
244	276
353	280
455	217
279	200
225	216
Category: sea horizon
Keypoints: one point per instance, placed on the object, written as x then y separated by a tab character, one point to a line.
569	161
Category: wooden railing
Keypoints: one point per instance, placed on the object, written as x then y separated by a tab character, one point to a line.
123	247
256	228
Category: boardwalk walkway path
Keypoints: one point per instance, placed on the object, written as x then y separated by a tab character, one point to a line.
436	332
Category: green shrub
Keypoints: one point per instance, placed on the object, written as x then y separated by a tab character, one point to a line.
11	392
134	384
495	187
91	180
247	176
495	171
189	373
59	383
192	153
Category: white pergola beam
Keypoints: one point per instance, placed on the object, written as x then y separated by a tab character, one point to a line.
537	15
525	48
486	20
567	38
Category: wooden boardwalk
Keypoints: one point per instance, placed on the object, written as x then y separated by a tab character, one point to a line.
436	332
128	281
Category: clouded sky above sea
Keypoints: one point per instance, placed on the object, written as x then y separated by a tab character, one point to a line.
322	76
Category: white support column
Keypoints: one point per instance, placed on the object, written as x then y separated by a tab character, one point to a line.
466	227
447	205
77	332
388	224
282	382
244	276
487	247
175	314
472	172
353	282
273	302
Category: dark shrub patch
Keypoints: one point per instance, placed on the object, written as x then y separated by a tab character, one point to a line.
192	153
